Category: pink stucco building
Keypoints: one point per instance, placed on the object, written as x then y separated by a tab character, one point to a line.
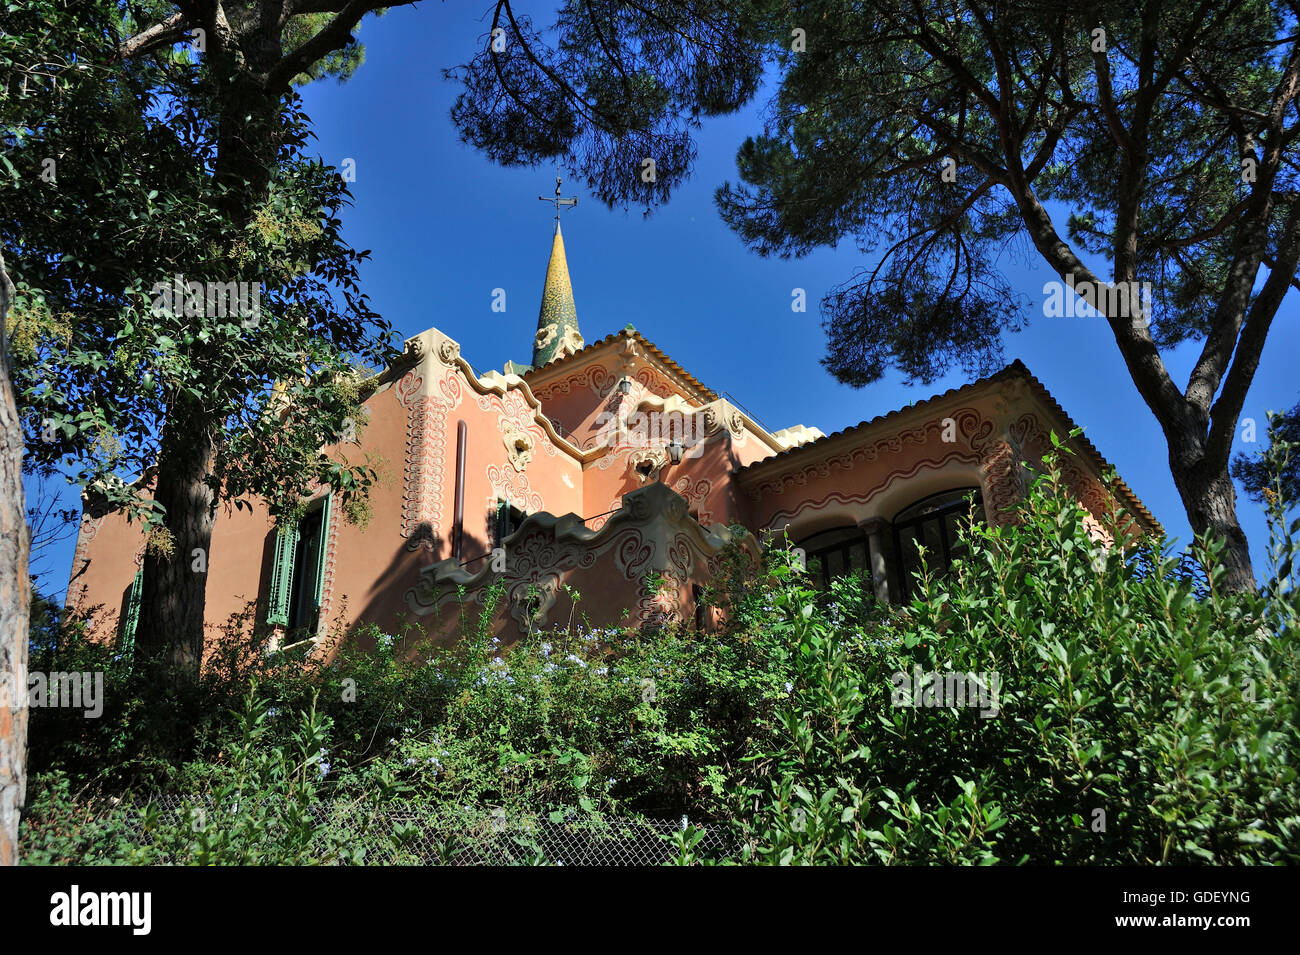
599	466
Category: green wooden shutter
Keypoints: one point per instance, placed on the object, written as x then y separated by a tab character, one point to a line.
132	614
320	550
286	544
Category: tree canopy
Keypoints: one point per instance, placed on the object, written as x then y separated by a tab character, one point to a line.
109	335
1134	148
188	326
1255	472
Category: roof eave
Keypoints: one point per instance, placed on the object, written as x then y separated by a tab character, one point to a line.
1016	369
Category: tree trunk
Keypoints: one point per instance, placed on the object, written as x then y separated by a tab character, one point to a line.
1211	505
15	599
173	591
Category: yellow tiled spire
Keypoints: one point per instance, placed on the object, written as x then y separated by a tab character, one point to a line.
557	321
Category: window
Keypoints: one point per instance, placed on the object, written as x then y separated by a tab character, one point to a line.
836	553
932	523
132	617
506	521
298	570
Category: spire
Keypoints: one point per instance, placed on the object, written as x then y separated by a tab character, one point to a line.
557	321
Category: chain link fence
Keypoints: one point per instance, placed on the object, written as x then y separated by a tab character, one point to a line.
349	832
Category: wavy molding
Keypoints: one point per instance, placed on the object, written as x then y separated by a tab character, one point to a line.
1032	440
651	532
974	428
426	437
785	516
434	345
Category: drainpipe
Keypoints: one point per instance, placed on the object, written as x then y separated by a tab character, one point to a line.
458	532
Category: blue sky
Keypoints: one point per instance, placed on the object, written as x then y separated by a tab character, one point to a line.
445	227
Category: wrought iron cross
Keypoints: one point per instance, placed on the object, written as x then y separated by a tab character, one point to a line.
559	202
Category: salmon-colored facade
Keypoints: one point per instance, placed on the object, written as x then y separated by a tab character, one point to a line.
627	479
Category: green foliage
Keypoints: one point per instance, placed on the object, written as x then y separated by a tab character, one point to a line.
1142	714
1121	693
619	84
253	806
112	189
1281	494
1279	461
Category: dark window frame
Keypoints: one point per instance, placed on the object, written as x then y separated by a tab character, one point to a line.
851	539
304	611
297	585
931	510
506	520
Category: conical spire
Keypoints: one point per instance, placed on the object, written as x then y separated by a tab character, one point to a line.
557	321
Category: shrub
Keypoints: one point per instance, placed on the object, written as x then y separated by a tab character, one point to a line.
1135	723
1133	713
253	806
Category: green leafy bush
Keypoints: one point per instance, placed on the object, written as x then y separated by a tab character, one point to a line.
1132	713
1136	722
252	806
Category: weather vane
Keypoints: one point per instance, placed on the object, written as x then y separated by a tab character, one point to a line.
558	200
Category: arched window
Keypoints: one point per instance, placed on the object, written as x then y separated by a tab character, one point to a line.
835	553
932	523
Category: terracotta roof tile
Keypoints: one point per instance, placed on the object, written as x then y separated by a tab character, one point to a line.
1016	369
627	332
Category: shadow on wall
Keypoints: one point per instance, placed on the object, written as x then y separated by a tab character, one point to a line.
123	609
247	625
738	503
385	605
249	622
262	601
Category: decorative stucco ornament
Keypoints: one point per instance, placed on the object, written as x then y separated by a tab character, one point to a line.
646	461
448	352
570	343
519	446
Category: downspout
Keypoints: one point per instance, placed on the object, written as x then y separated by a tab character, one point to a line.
458	531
